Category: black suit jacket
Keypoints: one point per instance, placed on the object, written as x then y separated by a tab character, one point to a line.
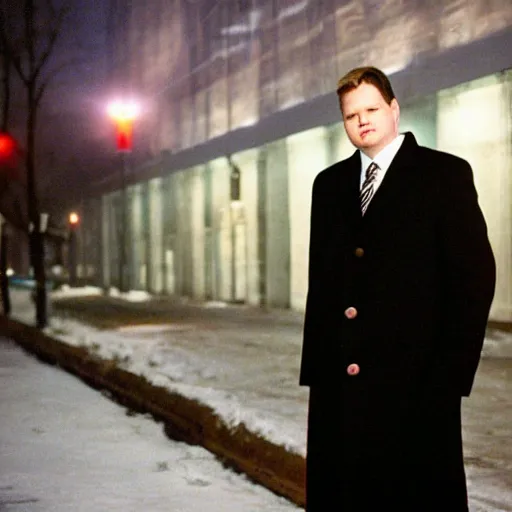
422	280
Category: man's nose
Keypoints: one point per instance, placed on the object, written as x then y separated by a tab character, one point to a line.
362	120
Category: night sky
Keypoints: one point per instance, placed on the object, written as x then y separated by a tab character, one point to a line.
75	139
77	142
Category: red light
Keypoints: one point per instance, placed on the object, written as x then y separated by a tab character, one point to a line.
8	150
124	134
123	114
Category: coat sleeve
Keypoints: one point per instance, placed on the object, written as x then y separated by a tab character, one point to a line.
312	322
468	276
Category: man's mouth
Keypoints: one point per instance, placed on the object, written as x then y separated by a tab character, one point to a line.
364	133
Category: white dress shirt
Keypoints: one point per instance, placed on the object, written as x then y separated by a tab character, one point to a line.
383	159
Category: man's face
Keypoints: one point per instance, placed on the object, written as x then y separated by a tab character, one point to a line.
371	124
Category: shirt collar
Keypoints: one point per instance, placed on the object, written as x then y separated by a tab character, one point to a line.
385	156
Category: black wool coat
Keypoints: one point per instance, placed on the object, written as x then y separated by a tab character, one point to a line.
419	271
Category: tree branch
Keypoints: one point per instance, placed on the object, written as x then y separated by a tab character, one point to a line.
53	37
51	76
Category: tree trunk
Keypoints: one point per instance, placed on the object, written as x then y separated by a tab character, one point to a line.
40	278
36	237
4	278
6	92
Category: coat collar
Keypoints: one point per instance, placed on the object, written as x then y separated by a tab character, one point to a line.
348	188
404	159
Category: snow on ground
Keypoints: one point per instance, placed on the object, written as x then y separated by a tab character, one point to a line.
251	376
255	383
88	291
66	447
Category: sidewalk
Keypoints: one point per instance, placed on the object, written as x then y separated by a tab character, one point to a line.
64	447
244	363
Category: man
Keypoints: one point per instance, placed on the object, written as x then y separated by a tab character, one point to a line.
401	280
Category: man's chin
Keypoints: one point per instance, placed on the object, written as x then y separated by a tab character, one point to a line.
369	148
367	144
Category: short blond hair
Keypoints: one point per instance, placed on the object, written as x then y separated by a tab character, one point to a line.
369	75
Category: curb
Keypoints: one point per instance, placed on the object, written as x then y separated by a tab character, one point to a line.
184	419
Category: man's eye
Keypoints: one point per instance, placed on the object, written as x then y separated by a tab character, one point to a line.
350	116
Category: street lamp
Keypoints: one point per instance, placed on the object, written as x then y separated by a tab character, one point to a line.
73	220
123	114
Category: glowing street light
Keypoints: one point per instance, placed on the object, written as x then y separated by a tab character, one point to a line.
123	110
123	114
73	219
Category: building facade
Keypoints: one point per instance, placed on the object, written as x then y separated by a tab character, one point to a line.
240	114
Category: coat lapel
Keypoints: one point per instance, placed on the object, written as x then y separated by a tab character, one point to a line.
351	176
389	189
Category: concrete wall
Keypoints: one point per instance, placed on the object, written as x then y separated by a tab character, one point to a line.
340	146
244	62
255	249
308	154
474	122
197	254
248	164
221	224
111	240
277	226
183	264
420	118
137	250
267	98
169	206
155	249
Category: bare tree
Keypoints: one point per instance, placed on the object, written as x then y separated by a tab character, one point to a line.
5	85
29	33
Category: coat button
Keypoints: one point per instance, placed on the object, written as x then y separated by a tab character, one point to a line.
359	252
351	312
353	369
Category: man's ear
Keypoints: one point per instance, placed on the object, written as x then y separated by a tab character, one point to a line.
395	107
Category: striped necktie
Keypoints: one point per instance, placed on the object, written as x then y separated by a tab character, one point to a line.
367	190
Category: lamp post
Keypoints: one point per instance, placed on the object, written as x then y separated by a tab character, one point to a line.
73	220
123	114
